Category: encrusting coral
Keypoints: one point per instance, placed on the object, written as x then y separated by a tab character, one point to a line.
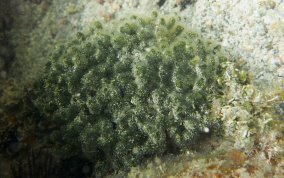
137	88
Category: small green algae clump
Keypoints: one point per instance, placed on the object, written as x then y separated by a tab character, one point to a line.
137	88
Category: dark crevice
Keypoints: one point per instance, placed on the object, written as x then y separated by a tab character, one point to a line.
184	3
161	3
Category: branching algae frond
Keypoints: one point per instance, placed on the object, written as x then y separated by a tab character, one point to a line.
139	88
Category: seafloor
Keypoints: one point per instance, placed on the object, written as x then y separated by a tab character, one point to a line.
252	34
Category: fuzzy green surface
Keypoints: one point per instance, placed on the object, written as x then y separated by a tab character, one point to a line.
140	88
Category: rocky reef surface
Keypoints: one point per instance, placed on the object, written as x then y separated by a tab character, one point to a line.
251	32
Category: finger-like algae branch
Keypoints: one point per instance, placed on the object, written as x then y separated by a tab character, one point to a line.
134	89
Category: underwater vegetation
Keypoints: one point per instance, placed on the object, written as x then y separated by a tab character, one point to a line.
39	163
6	48
133	89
